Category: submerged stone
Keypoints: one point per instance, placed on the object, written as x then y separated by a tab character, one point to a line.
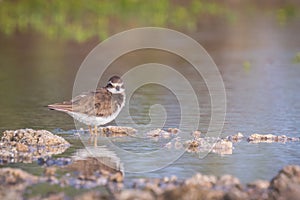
219	146
235	138
117	131
269	138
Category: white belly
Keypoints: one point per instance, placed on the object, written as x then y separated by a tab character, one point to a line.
94	120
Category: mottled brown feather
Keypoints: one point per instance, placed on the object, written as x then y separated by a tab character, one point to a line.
101	103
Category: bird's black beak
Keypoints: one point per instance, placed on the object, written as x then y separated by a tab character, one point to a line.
118	88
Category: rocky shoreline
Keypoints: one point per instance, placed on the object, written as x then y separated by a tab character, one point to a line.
16	183
85	177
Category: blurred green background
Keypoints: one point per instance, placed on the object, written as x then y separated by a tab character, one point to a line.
82	20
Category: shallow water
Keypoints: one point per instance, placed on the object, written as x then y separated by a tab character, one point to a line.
262	87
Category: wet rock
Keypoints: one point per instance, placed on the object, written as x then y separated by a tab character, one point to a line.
13	176
94	195
223	146
225	187
32	137
219	146
49	161
159	133
173	130
175	143
286	185
235	138
226	182
136	194
196	134
90	172
26	145
117	131
192	193
22	147
236	194
193	144
89	166
259	184
14	181
203	181
258	189
50	171
269	138
117	177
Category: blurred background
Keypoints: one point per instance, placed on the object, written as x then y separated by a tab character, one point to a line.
43	43
255	44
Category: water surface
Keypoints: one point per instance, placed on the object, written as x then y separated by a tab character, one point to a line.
262	86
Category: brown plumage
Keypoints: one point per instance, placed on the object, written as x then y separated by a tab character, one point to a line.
100	103
97	107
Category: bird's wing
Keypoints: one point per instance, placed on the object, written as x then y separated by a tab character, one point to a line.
104	103
99	103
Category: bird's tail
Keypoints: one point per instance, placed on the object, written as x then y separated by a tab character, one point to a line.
60	107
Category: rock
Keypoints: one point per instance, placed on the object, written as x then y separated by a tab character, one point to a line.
158	133
178	145
94	195
26	145
154	187
235	138
136	194
203	181
227	186
50	171
14	181
228	181
196	134
269	138
22	147
173	130
117	131
32	137
236	194
258	189
194	192
13	176
215	145
175	143
117	177
223	146
90	172
192	144
259	184
286	185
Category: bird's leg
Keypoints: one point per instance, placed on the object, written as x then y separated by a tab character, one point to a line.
96	130
95	141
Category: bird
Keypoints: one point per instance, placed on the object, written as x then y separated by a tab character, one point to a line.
98	107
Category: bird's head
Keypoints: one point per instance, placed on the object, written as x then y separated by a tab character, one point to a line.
115	85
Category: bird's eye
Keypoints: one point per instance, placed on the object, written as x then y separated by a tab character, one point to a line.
110	85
